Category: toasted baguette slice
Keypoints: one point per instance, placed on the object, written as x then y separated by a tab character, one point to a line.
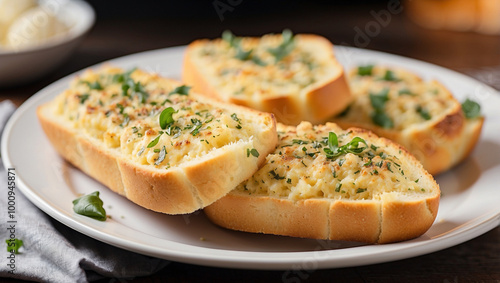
374	192
422	116
301	81
108	125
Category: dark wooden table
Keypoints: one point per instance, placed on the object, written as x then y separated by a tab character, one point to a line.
477	260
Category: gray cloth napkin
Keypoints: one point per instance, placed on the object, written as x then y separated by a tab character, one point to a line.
53	252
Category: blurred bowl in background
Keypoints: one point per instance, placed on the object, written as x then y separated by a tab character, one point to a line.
26	64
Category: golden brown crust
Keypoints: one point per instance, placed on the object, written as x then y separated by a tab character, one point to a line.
395	216
182	189
306	219
313	104
439	145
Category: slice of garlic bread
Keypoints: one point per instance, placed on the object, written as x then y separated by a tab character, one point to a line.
153	141
422	116
295	77
327	183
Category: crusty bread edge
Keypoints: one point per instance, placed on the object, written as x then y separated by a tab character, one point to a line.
316	105
177	190
371	221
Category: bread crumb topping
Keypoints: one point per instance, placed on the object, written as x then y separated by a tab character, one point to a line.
122	110
302	168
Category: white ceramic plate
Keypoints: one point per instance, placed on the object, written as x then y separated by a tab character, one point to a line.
469	205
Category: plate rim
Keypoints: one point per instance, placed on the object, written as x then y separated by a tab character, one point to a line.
237	258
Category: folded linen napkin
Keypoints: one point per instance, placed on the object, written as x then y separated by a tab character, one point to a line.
52	252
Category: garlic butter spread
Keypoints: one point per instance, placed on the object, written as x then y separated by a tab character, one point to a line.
270	66
311	162
394	99
125	111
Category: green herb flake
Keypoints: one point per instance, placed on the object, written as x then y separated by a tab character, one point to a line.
288	181
275	175
83	97
379	99
155	141
286	46
390	76
471	109
91	206
360	190
180	90
95	85
423	113
161	156
230	38
166	117
13	245
381	119
334	150
254	152
405	91
366	70
337	187
242	54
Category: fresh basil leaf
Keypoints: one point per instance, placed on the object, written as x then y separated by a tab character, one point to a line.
161	156
405	91
382	120
471	109
286	46
254	152
95	85
83	97
379	99
166	117
390	76
90	205
242	54
180	90
423	113
230	38
13	245
365	70
155	141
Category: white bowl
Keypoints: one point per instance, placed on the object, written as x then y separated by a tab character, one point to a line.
28	64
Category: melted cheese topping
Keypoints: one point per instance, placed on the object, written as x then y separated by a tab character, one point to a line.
261	73
299	168
122	111
408	100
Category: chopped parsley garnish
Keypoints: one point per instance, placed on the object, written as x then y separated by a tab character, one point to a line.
181	90
161	156
230	38
83	97
337	187
95	85
389	76
365	70
360	190
334	150
13	245
196	126
276	176
379	99
297	141
242	54
471	109
286	46
423	113
405	91
253	152
90	205
381	119
126	120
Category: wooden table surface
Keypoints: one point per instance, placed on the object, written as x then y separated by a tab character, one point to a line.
477	260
